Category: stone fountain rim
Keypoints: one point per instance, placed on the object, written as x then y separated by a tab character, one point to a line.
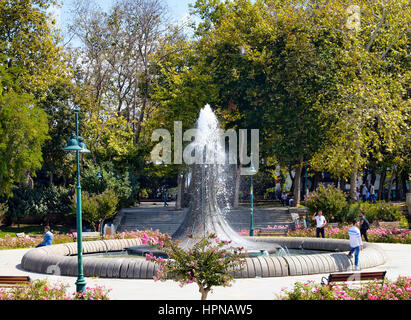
61	259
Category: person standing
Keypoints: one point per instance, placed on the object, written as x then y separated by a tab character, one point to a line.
48	238
355	243
372	193
364	192
321	222
364	226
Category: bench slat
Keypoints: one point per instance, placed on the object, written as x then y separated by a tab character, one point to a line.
13	280
359	276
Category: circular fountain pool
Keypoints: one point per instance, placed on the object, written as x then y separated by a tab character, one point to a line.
62	259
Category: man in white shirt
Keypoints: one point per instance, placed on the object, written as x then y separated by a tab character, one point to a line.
355	242
321	222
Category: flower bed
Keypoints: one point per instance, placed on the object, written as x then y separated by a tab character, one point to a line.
379	235
390	290
43	290
9	242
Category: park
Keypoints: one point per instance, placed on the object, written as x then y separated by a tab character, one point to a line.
234	150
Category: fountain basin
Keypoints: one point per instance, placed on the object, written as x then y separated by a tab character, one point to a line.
61	259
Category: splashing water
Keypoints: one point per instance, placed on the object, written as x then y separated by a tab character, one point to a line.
210	189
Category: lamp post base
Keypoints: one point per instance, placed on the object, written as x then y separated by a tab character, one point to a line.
80	285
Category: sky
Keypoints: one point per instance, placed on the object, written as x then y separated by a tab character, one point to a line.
178	10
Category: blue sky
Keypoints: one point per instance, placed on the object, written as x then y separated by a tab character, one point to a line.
178	9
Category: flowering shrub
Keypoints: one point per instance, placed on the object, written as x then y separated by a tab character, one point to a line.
390	290
210	262
9	242
330	200
43	290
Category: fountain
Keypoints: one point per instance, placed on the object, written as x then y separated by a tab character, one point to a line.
210	192
209	188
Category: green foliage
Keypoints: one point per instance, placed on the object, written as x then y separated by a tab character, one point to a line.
351	212
96	206
3	210
23	130
330	200
381	210
374	290
39	202
120	184
44	290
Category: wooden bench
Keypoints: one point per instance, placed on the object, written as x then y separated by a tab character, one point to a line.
11	281
272	231
87	235
353	276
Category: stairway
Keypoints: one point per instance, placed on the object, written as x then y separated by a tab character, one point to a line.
167	220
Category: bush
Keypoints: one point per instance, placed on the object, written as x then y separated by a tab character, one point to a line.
350	212
38	202
330	200
3	210
390	290
94	207
119	183
381	210
43	290
210	262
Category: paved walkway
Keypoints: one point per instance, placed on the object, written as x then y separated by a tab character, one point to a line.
398	263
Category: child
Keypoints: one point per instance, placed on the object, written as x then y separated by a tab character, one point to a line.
355	242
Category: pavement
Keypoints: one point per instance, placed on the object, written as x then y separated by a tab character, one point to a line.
398	263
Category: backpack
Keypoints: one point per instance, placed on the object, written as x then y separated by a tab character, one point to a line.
365	225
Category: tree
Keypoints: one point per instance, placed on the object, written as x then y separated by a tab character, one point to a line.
23	130
30	62
369	112
95	207
209	263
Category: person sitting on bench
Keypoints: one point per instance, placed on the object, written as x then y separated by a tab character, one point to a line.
48	238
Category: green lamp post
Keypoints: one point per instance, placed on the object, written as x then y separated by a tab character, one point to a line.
76	144
252	172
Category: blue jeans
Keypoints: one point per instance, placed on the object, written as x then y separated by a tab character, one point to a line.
356	251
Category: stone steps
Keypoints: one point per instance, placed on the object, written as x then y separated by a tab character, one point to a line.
167	220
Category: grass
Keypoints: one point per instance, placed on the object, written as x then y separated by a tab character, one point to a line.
29	229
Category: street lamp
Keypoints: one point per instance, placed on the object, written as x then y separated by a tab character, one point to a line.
252	172
306	193
76	144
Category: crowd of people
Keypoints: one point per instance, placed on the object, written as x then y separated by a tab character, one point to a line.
366	194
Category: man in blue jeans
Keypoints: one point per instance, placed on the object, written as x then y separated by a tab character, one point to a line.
355	243
48	238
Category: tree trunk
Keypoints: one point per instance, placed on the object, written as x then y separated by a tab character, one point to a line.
353	185
390	185
404	177
204	292
397	187
316	179
292	180
297	183
180	191
237	187
381	186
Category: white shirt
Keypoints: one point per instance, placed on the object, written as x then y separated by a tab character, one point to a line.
320	221
355	237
